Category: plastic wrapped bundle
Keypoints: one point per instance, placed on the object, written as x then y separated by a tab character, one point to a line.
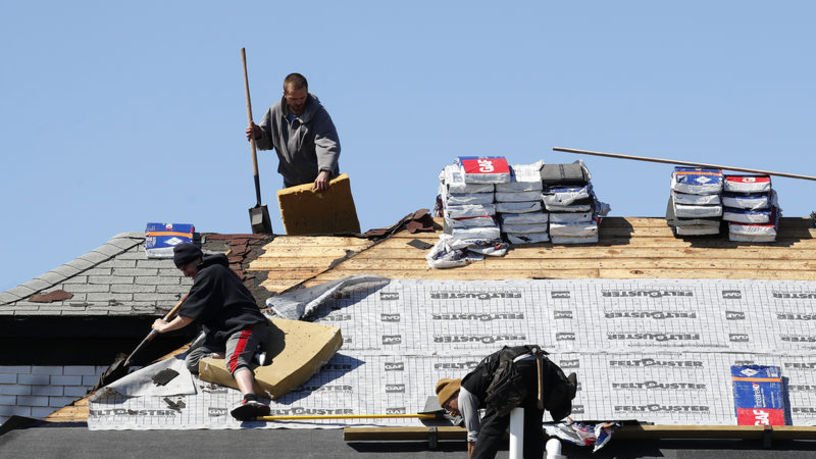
528	238
575	173
695	205
747	183
762	216
453	179
564	196
518	207
523	178
539	218
470	222
751	201
572	217
696	180
484	169
573	229
738	232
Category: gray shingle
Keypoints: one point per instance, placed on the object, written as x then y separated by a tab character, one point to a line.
155	263
118	262
66	271
107	297
26	306
171	289
37	313
87	288
110	279
6	312
132	288
80	264
108	250
132	255
99	270
20	291
36	285
84	312
151	280
52	278
125	243
156	297
94	257
135	271
46	390
76	280
6	297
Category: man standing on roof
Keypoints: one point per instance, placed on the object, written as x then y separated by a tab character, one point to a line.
232	323
302	134
502	381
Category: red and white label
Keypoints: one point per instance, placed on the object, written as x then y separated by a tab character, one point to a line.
486	165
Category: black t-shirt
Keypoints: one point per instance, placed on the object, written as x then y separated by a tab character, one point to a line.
220	302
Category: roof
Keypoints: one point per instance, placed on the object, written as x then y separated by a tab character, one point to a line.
117	279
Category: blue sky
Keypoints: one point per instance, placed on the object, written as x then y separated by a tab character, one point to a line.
116	114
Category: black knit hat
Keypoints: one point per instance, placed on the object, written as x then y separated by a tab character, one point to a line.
185	253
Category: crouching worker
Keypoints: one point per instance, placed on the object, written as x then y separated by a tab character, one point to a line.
512	377
232	323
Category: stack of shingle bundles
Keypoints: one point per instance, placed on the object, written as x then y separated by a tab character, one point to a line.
750	208
569	198
467	204
518	203
695	207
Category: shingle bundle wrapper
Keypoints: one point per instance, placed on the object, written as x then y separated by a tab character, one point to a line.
695	206
751	208
574	209
466	201
518	202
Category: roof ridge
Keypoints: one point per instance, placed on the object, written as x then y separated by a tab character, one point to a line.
118	244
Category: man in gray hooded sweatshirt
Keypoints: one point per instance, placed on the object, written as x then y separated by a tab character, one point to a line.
302	134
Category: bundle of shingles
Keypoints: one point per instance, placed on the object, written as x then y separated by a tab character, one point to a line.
466	201
574	210
750	208
518	202
695	207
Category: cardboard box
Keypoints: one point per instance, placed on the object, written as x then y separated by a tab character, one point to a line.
306	212
298	350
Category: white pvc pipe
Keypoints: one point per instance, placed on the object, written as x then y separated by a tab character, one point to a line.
554	449
516	433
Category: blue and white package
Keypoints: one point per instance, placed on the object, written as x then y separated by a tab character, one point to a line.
696	180
759	397
753	201
160	238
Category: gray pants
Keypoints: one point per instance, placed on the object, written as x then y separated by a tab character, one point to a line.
238	352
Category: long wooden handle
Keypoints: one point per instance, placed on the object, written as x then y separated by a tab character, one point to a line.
682	163
252	136
167	317
344	416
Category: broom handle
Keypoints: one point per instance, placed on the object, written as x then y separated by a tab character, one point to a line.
344	416
167	317
683	163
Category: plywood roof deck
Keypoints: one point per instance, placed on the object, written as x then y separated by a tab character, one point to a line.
629	248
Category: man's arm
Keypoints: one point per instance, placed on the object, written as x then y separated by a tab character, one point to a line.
162	326
262	133
327	149
469	408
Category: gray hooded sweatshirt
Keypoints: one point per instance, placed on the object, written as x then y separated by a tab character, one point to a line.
305	146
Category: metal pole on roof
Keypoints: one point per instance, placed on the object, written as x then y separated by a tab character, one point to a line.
683	163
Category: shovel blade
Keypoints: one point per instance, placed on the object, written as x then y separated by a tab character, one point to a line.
259	220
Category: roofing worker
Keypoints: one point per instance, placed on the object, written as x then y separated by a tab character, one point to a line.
502	381
232	323
302	134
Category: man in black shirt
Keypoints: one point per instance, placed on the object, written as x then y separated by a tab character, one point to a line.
504	380
227	312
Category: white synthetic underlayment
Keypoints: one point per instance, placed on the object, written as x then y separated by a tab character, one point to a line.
653	350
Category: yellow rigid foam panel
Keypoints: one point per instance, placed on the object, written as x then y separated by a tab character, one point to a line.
298	350
307	212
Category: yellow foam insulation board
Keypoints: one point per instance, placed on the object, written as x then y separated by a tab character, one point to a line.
298	350
306	212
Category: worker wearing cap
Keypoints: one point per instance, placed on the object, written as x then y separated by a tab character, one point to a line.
302	134
484	436
233	325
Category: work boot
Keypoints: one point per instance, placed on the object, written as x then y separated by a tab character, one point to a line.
573	379
249	408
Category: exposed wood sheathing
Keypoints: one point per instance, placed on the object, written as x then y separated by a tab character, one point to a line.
630	248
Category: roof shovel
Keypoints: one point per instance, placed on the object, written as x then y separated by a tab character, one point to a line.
258	215
119	367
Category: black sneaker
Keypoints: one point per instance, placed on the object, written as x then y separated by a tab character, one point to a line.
247	410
